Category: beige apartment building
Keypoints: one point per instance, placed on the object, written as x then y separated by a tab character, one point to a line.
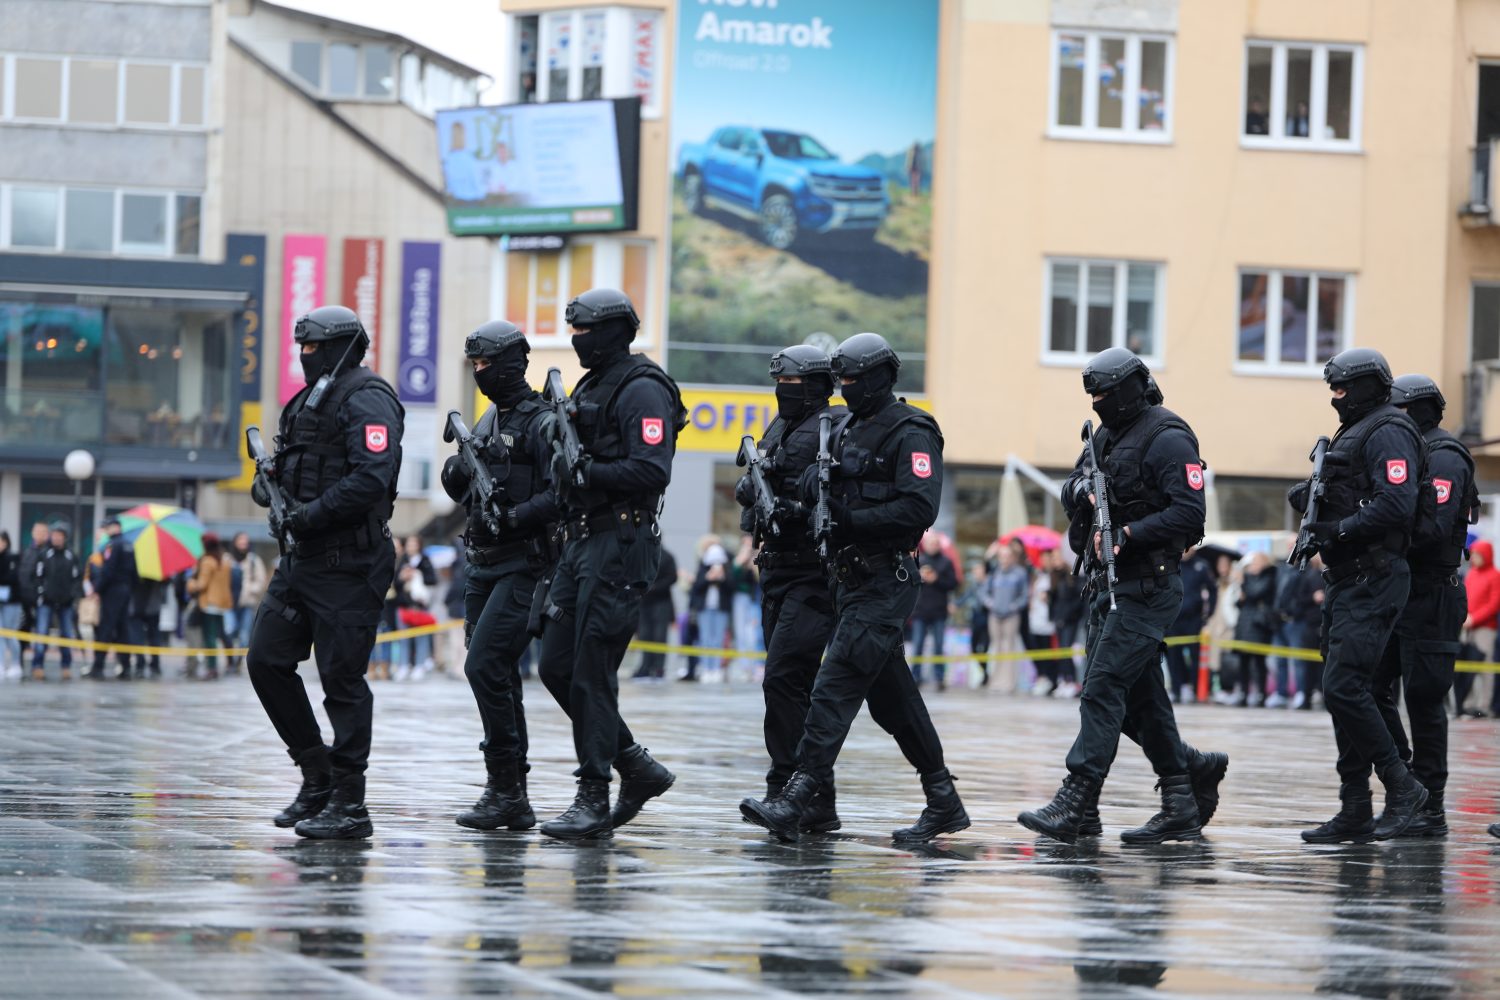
1236	189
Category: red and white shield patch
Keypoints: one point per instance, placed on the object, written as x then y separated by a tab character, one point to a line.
1195	476
651	430
1395	471
1444	488
921	465
376	437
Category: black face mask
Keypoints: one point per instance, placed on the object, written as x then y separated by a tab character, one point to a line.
503	382
795	400
868	392
600	346
314	363
1425	413
1361	397
328	355
1123	403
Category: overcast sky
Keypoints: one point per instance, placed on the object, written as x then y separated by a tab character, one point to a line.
466	30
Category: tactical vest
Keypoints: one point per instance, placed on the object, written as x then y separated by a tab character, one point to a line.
867	476
1134	495
1350	486
506	450
311	455
1430	550
789	450
600	434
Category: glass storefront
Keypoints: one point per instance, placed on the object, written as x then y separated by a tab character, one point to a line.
156	377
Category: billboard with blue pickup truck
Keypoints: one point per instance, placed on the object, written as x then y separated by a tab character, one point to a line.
802	181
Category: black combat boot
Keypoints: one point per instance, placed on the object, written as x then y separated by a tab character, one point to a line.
1431	820
1354	824
1404	798
641	779
317	785
1178	819
1091	825
1206	771
944	813
344	817
1061	818
587	818
783	814
821	814
503	802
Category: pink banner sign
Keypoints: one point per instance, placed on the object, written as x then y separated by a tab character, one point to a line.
302	277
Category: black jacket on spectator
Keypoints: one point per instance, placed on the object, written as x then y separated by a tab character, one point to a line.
147	597
698	596
10	576
26	570
115	573
1066	599
660	591
459	580
932	599
1257	622
1297	605
1200	595
61	579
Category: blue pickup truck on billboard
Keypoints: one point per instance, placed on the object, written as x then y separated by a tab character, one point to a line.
787	183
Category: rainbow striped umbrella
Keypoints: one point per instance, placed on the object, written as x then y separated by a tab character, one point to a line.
167	539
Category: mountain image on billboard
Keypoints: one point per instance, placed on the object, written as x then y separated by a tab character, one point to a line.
802	194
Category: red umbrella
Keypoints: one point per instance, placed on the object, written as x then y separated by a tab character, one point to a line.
1037	539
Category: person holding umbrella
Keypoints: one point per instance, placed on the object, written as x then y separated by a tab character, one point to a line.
112	579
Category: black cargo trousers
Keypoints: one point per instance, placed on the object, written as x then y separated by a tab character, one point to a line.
1420	655
866	662
1360	611
594	607
796	623
328	603
497	606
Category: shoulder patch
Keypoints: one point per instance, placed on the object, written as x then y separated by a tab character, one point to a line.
377	438
1444	489
1395	471
1194	476
921	465
651	430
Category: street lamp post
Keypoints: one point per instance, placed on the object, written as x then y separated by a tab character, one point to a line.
79	466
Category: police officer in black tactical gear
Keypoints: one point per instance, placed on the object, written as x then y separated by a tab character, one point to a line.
1373	471
629	413
1156	479
885	495
507	548
338	454
1422	649
797	609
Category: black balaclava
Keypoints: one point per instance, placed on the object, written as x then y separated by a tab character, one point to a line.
795	400
1426	413
869	391
1124	402
328	354
503	381
1362	396
603	344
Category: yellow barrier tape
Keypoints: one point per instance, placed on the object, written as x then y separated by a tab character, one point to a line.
1035	655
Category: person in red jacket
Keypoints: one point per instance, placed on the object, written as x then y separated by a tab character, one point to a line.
1482	585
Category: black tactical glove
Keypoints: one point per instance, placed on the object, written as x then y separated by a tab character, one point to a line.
260	492
1079	497
1297	496
1323	532
455	478
583	469
789	511
807	485
744	491
298	522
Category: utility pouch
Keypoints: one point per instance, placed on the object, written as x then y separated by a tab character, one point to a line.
538	607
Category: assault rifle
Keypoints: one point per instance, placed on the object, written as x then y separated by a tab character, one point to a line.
265	471
822	519
765	500
565	434
481	483
1306	546
1103	523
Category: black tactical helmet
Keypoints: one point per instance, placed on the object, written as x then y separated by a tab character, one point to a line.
1356	362
1107	369
1409	389
862	353
329	323
598	305
801	360
493	339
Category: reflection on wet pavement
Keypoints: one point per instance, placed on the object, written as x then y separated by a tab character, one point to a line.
137	858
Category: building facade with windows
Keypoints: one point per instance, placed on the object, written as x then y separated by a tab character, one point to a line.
117	311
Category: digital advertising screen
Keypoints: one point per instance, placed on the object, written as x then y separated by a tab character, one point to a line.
563	167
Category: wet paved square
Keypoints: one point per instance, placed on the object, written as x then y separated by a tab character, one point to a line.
137	858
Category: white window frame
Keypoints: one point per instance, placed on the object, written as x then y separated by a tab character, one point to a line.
174	123
62	93
1312	368
1129	130
165	248
1078	358
616	77
7	202
118	248
609	272
1474	285
1276	112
